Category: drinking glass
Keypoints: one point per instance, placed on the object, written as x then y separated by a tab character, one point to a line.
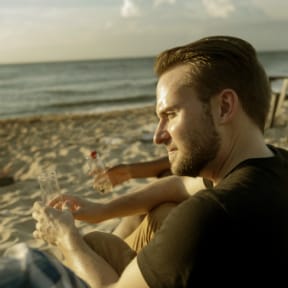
49	186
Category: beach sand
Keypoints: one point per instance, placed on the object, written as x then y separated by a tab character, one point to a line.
62	142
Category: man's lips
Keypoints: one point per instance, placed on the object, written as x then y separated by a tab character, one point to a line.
172	149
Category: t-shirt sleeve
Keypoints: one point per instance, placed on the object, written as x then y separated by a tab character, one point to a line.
207	183
174	254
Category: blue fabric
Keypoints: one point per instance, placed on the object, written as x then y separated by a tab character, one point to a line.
25	267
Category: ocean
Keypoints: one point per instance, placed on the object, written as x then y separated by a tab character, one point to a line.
92	85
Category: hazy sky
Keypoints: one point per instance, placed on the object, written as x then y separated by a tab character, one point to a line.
47	30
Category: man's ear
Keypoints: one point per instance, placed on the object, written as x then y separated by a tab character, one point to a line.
228	103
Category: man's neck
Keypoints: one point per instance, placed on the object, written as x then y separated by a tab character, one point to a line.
239	148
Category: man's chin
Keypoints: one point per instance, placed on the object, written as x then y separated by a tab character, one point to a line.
176	168
180	169
172	157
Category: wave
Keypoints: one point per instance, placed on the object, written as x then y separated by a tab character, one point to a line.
78	106
106	102
101	89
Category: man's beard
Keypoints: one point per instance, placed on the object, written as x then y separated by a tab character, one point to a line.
203	146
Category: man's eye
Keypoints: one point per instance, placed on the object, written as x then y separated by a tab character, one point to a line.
171	115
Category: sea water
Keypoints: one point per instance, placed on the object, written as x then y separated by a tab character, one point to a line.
91	85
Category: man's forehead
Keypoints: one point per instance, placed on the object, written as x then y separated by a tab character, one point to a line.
166	93
174	79
183	96
181	72
168	99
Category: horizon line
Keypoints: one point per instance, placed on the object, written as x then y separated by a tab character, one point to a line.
108	58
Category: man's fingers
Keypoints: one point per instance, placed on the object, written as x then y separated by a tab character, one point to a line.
36	234
67	205
37	205
37	210
57	201
35	215
38	226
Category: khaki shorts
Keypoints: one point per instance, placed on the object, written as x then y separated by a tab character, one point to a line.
118	252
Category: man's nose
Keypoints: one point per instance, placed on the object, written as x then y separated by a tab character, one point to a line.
161	135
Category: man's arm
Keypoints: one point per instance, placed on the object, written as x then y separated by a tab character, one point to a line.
131	277
124	172
154	168
58	228
94	270
169	189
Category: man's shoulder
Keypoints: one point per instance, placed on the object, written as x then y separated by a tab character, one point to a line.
206	199
279	152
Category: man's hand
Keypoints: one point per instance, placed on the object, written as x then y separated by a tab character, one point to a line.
118	174
53	226
80	208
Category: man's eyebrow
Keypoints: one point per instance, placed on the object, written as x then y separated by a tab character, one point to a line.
166	110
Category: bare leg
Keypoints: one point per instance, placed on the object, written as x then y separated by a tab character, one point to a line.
128	225
111	248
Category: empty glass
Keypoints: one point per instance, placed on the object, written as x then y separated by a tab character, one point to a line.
49	185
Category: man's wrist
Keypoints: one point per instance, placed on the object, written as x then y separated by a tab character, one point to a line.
70	241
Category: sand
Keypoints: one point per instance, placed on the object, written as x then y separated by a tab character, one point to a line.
62	142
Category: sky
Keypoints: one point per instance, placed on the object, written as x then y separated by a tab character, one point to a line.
60	30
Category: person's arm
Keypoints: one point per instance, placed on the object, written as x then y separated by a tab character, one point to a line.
57	228
154	168
123	172
169	189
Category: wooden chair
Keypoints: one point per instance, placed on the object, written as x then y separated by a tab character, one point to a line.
276	105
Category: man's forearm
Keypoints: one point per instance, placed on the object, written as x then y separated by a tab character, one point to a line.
149	169
168	189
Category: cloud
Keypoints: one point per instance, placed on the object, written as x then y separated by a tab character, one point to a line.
219	8
160	2
276	9
129	9
108	25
